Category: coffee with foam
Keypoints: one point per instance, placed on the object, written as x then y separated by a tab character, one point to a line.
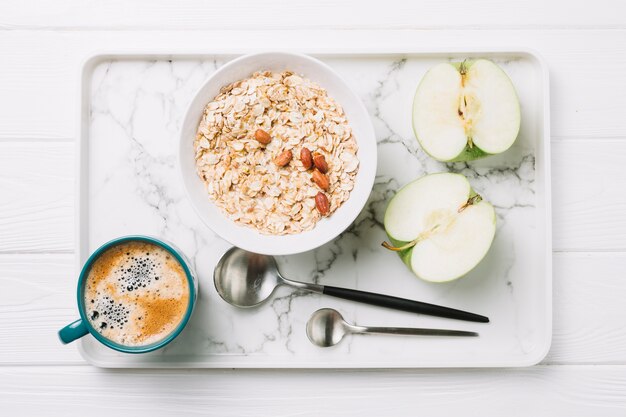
136	293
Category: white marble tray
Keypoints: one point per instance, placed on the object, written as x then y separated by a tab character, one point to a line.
132	105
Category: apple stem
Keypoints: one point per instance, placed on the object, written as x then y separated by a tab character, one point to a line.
389	246
475	199
463	72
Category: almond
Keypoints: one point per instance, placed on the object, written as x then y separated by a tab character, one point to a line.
306	158
320	163
283	158
321	180
262	136
322	204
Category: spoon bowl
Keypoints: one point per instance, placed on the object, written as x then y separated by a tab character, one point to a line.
245	279
326	327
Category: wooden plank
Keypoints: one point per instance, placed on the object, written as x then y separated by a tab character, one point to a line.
282	14
37	297
588	308
37	189
588	199
539	391
586	67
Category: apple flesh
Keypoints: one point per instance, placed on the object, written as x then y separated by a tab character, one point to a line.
464	111
439	226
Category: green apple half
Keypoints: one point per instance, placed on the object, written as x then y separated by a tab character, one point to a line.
464	111
439	226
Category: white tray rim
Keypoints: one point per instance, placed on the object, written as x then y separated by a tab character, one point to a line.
81	207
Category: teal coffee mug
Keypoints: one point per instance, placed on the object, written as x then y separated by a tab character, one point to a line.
131	282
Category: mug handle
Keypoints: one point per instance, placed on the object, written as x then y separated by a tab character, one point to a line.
73	331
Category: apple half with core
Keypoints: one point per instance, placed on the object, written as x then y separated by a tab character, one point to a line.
464	111
439	226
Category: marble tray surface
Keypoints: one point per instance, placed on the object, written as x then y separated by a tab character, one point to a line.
132	117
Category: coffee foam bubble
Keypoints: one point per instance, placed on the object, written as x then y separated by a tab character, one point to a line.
136	293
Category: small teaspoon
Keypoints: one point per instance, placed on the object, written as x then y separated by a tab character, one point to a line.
327	327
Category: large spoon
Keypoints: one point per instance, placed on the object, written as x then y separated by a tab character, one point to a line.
246	279
326	327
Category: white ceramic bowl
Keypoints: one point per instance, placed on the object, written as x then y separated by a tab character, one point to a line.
326	229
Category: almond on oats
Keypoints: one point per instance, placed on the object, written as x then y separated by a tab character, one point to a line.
320	163
262	136
283	158
320	179
322	204
252	176
306	158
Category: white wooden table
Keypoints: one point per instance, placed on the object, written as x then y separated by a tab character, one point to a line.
41	46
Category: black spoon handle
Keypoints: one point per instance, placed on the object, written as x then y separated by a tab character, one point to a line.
403	304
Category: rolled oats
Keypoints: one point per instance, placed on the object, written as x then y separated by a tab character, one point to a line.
243	134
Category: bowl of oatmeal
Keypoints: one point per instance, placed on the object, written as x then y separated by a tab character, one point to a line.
277	153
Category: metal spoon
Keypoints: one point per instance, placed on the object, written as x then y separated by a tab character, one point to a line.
246	279
326	327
